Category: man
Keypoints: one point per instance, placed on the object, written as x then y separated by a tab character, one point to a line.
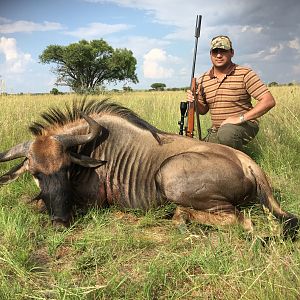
226	92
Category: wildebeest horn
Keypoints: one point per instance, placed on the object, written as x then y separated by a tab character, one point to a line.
17	151
86	161
75	140
14	173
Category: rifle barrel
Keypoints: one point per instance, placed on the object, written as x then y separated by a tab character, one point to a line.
198	25
197	35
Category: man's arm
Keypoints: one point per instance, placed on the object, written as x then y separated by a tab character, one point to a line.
265	103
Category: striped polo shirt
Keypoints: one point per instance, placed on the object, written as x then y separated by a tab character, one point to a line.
232	95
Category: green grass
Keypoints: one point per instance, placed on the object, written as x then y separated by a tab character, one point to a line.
108	254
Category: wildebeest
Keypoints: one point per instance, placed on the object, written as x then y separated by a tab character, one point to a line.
100	153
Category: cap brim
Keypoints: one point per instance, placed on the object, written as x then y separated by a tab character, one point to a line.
220	47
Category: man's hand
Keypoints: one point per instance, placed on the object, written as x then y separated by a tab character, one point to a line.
232	120
190	96
203	109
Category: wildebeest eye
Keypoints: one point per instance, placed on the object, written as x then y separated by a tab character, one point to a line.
37	175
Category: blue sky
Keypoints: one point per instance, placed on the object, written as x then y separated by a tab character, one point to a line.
265	36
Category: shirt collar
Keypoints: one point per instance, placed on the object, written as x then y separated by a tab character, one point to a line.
229	71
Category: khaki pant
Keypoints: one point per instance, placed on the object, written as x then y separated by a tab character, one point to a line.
235	136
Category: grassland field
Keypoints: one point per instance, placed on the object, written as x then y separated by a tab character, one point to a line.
109	254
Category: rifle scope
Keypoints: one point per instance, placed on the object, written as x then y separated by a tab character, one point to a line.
183	108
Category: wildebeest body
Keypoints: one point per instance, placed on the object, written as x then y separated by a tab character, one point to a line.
132	176
118	158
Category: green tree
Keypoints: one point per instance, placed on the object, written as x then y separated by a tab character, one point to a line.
273	83
127	89
87	65
158	86
54	91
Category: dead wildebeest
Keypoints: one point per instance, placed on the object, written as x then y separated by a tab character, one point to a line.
100	153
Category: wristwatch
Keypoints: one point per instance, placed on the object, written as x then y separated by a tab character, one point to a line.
242	118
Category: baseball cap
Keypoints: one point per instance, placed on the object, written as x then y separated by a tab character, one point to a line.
221	42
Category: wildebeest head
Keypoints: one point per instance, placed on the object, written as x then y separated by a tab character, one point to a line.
48	158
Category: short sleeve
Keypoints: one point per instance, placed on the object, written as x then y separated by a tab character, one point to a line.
254	86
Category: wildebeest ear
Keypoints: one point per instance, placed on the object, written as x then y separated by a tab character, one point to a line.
13	173
86	161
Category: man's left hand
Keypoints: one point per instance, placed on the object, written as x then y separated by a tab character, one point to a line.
232	120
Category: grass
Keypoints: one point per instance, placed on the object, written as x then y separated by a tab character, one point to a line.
108	254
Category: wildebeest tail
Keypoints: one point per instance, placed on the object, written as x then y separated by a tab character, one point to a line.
264	193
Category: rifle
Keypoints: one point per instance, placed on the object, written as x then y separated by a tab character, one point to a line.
187	109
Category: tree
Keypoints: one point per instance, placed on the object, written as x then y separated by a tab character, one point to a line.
273	83
158	86
127	88
86	66
54	91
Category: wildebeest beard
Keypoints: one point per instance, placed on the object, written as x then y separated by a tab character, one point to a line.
56	193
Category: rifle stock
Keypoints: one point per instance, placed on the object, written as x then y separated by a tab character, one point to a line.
191	112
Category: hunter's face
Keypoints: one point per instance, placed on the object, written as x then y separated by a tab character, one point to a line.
220	57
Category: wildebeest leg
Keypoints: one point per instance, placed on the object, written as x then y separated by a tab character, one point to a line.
206	187
230	216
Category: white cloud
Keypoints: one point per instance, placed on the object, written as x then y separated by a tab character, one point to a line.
273	52
140	45
98	29
26	26
156	64
294	44
276	49
15	61
253	29
267	54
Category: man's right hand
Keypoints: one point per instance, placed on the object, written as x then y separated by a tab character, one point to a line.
203	109
190	96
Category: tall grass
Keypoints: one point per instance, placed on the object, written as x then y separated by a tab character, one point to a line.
108	254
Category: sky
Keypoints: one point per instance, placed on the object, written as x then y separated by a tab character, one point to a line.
160	33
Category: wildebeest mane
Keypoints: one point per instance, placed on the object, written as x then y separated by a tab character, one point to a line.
58	117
